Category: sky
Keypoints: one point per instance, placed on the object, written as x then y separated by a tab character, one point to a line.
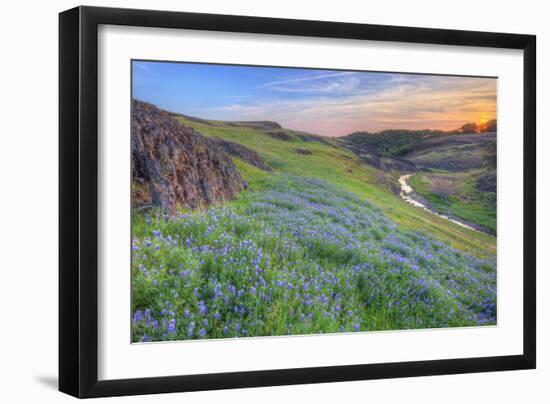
325	102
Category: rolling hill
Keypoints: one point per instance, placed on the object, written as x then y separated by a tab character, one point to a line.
334	162
455	173
316	241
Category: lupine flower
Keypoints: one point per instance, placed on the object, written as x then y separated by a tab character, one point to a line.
322	257
202	308
138	315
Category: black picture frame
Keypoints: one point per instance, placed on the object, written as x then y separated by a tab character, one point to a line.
78	196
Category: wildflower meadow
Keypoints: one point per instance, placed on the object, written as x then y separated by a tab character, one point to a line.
303	256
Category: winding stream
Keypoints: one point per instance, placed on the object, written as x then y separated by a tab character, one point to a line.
407	192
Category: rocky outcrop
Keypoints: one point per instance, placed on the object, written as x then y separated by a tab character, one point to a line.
174	165
279	135
303	151
242	152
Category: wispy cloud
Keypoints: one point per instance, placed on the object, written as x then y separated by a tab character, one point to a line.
327	102
336	83
307	78
416	102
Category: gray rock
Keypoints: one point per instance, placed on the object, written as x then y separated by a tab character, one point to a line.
173	165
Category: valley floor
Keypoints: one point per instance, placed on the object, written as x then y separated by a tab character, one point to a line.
408	194
455	194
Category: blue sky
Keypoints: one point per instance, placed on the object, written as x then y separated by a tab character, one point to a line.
327	102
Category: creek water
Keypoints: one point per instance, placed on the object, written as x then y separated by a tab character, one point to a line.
407	193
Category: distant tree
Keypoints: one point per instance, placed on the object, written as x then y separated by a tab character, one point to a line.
442	187
489	126
470	127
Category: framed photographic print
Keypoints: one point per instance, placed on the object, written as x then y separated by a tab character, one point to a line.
251	201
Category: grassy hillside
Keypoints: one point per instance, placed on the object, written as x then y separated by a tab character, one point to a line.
457	172
456	194
344	169
459	177
395	142
303	257
317	244
455	153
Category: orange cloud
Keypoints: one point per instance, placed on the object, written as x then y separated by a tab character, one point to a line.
408	102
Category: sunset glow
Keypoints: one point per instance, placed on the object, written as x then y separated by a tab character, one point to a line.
327	102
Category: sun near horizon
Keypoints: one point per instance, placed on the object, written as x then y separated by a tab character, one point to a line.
324	102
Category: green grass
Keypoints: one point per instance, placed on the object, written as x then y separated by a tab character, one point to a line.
301	257
319	244
342	168
460	198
